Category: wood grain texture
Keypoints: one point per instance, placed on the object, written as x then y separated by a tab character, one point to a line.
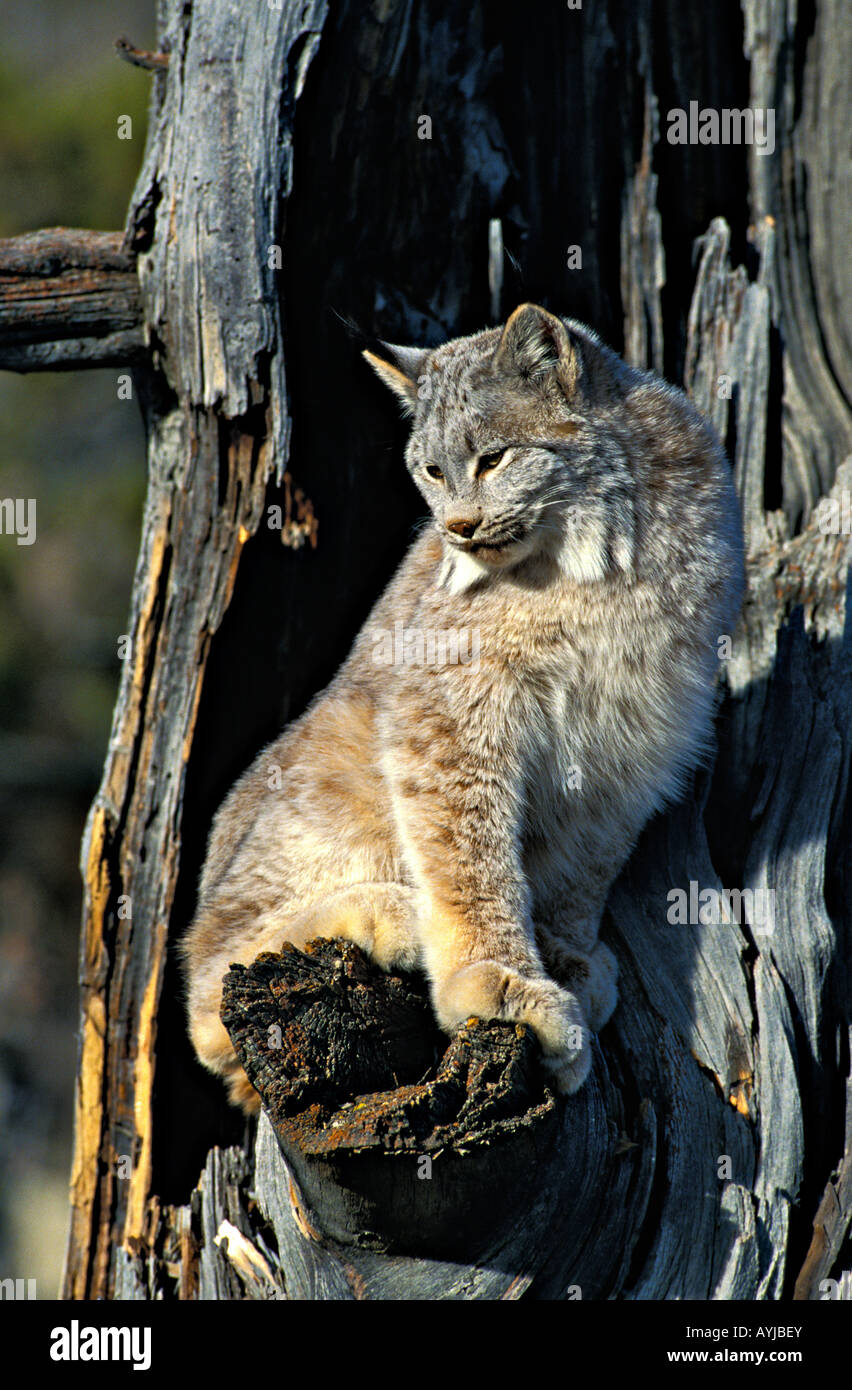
215	407
68	298
800	60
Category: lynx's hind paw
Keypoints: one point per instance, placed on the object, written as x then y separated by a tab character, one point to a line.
592	976
601	988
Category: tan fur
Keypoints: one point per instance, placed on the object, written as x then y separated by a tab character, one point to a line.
430	813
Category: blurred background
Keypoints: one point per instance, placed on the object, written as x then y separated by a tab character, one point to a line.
69	442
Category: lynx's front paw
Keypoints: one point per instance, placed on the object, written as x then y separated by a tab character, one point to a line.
490	990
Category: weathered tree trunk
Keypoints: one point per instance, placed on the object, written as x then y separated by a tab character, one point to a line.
710	1154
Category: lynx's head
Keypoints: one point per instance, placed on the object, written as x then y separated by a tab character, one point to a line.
515	446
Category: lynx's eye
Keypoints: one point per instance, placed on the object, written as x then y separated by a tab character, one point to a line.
486	462
434	472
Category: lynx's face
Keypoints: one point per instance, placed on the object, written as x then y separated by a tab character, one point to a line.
508	453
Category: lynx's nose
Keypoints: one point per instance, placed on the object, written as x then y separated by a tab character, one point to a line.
462	526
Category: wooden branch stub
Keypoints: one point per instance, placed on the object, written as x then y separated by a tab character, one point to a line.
68	298
141	57
353	1071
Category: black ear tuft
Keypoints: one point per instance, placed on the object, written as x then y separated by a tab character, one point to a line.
353	330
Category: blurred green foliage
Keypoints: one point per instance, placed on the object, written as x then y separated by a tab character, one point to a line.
79	452
66	439
61	162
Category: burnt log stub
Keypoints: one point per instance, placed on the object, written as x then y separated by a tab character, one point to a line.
314	1027
353	1071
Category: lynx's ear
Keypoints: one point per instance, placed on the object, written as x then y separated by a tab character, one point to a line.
537	345
399	368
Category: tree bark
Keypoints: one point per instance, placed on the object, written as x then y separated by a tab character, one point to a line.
708	1155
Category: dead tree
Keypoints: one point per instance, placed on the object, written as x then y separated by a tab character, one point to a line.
421	169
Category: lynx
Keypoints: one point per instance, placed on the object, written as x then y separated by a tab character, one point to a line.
467	818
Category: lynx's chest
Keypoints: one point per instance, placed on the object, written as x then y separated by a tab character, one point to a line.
589	727
554	749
